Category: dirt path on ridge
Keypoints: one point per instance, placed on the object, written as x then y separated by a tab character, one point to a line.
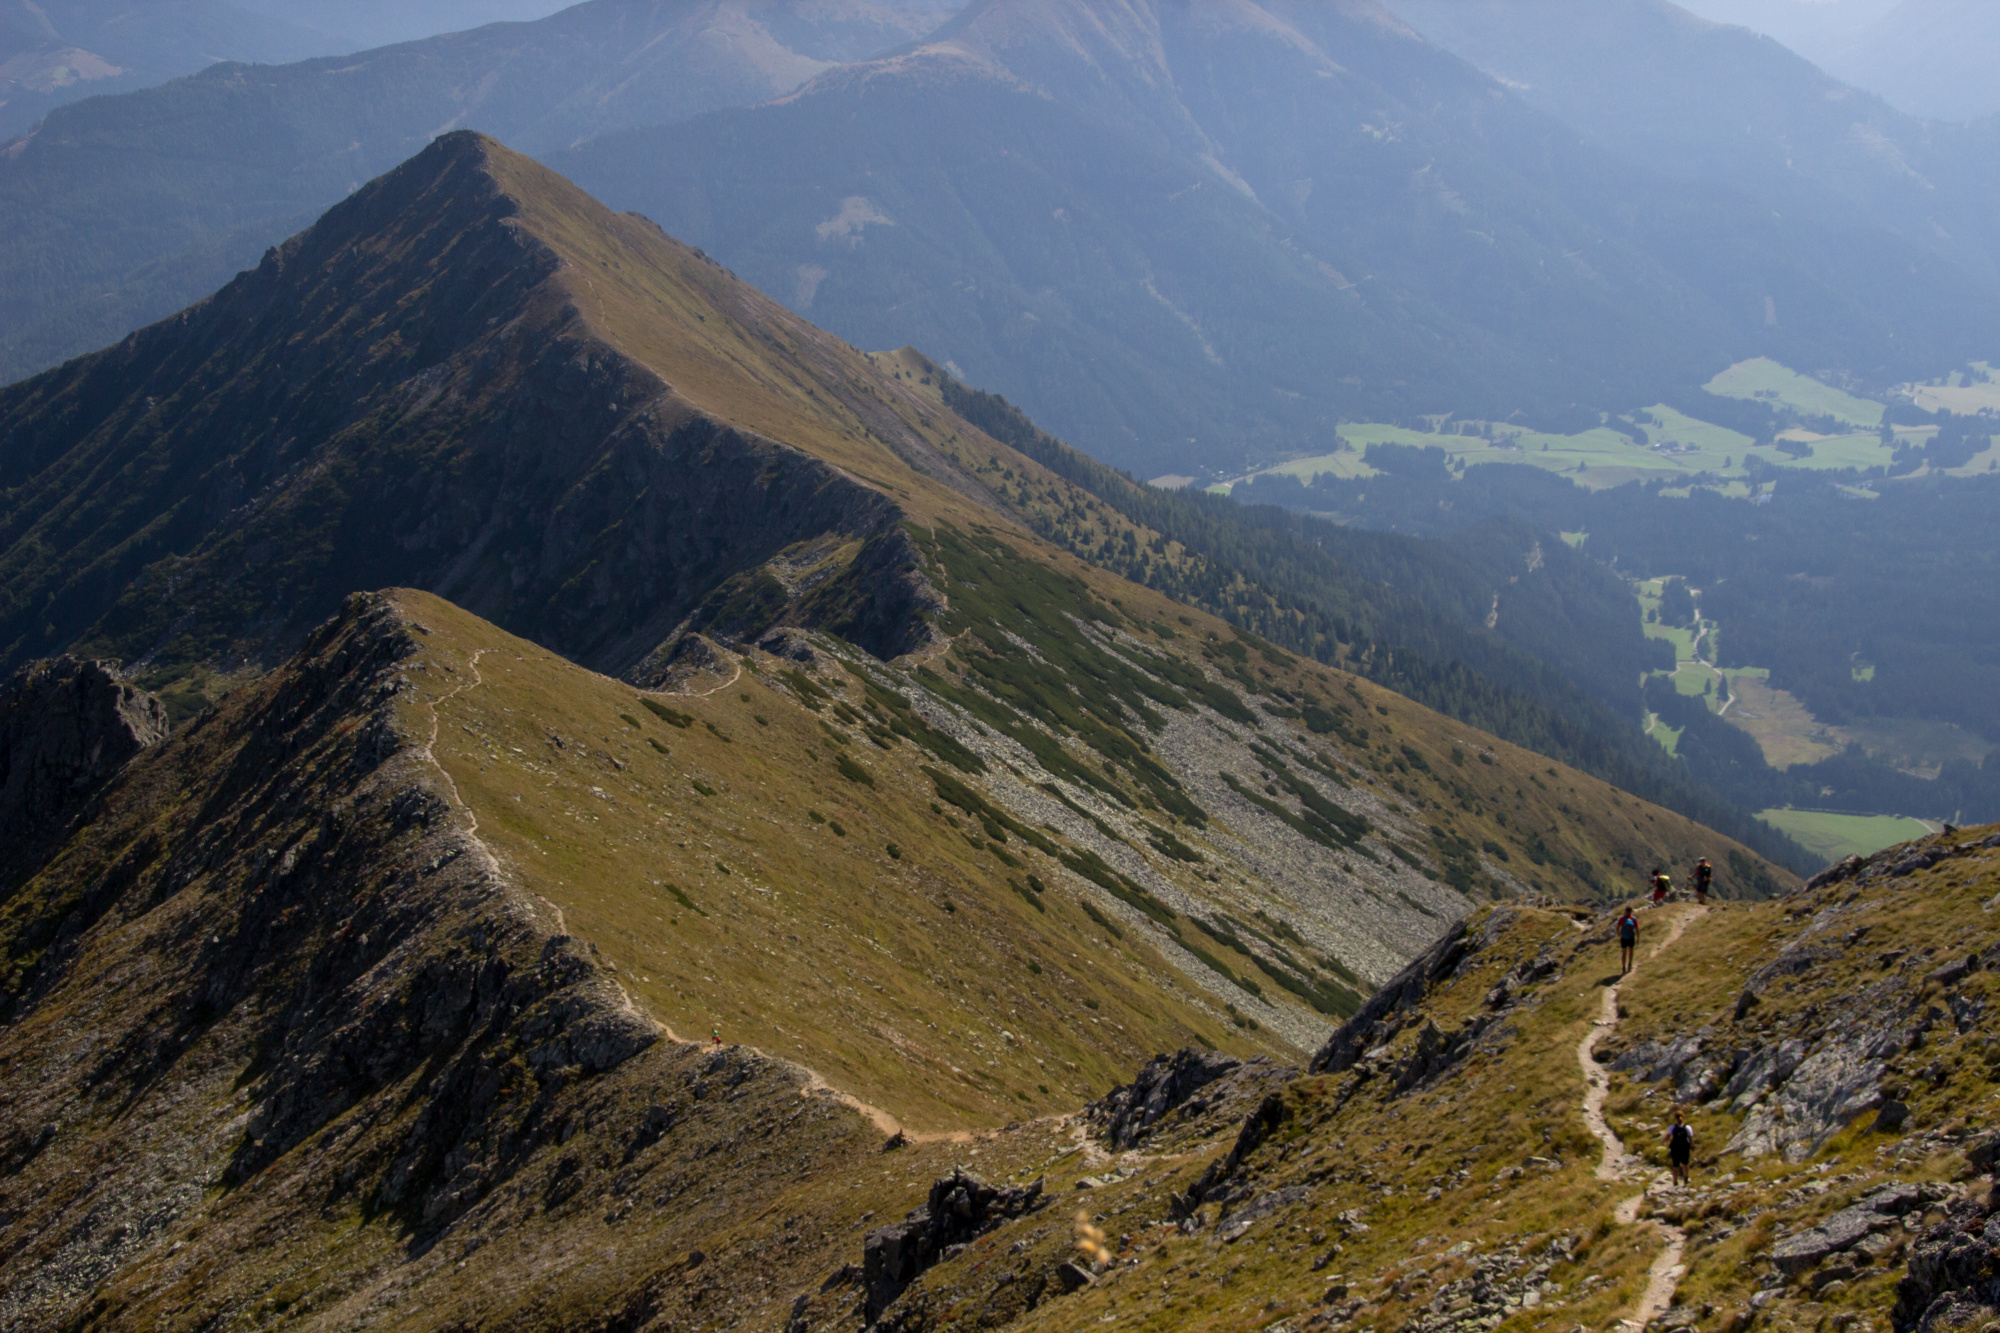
1617	1164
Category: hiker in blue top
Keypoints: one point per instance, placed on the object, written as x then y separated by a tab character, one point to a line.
1628	939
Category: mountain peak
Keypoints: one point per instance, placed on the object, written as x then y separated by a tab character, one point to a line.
468	356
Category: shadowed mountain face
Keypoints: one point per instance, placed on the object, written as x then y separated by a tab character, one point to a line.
1181	234
123	210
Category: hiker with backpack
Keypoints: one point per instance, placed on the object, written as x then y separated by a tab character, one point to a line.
1680	1148
1628	939
1663	884
1704	876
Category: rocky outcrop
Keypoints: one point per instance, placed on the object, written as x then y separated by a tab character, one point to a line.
961	1208
1164	1084
1900	861
1953	1280
1880	1211
1364	1042
66	727
1378	1018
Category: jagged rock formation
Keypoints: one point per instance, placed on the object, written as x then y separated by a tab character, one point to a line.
66	727
1363	1042
1954	1273
1166	1083
961	1208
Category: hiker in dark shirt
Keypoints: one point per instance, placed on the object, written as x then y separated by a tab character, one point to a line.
1704	876
1680	1148
1628	939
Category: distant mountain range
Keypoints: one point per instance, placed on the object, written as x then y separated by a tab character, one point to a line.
1722	108
57	51
1184	236
361	24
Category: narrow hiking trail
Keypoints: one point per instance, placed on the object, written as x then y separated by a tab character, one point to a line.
1617	1164
430	742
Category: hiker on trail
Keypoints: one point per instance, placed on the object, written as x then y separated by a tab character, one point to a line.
1680	1148
1663	884
715	1037
1628	939
1704	876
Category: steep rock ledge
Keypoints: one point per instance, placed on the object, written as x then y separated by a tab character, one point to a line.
66	727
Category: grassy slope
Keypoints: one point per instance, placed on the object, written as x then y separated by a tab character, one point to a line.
893	977
1762	377
826	949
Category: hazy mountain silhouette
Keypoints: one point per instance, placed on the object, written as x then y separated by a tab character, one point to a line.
1722	106
57	51
1931	57
1926	57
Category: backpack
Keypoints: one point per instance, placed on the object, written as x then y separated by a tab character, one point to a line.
1680	1137
1628	931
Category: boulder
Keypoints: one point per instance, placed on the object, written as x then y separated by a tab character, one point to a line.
1954	971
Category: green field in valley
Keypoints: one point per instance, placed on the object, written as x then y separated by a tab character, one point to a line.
1836	836
1656	444
1766	379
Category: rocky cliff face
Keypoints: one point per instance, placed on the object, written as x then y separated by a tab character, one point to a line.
66	727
